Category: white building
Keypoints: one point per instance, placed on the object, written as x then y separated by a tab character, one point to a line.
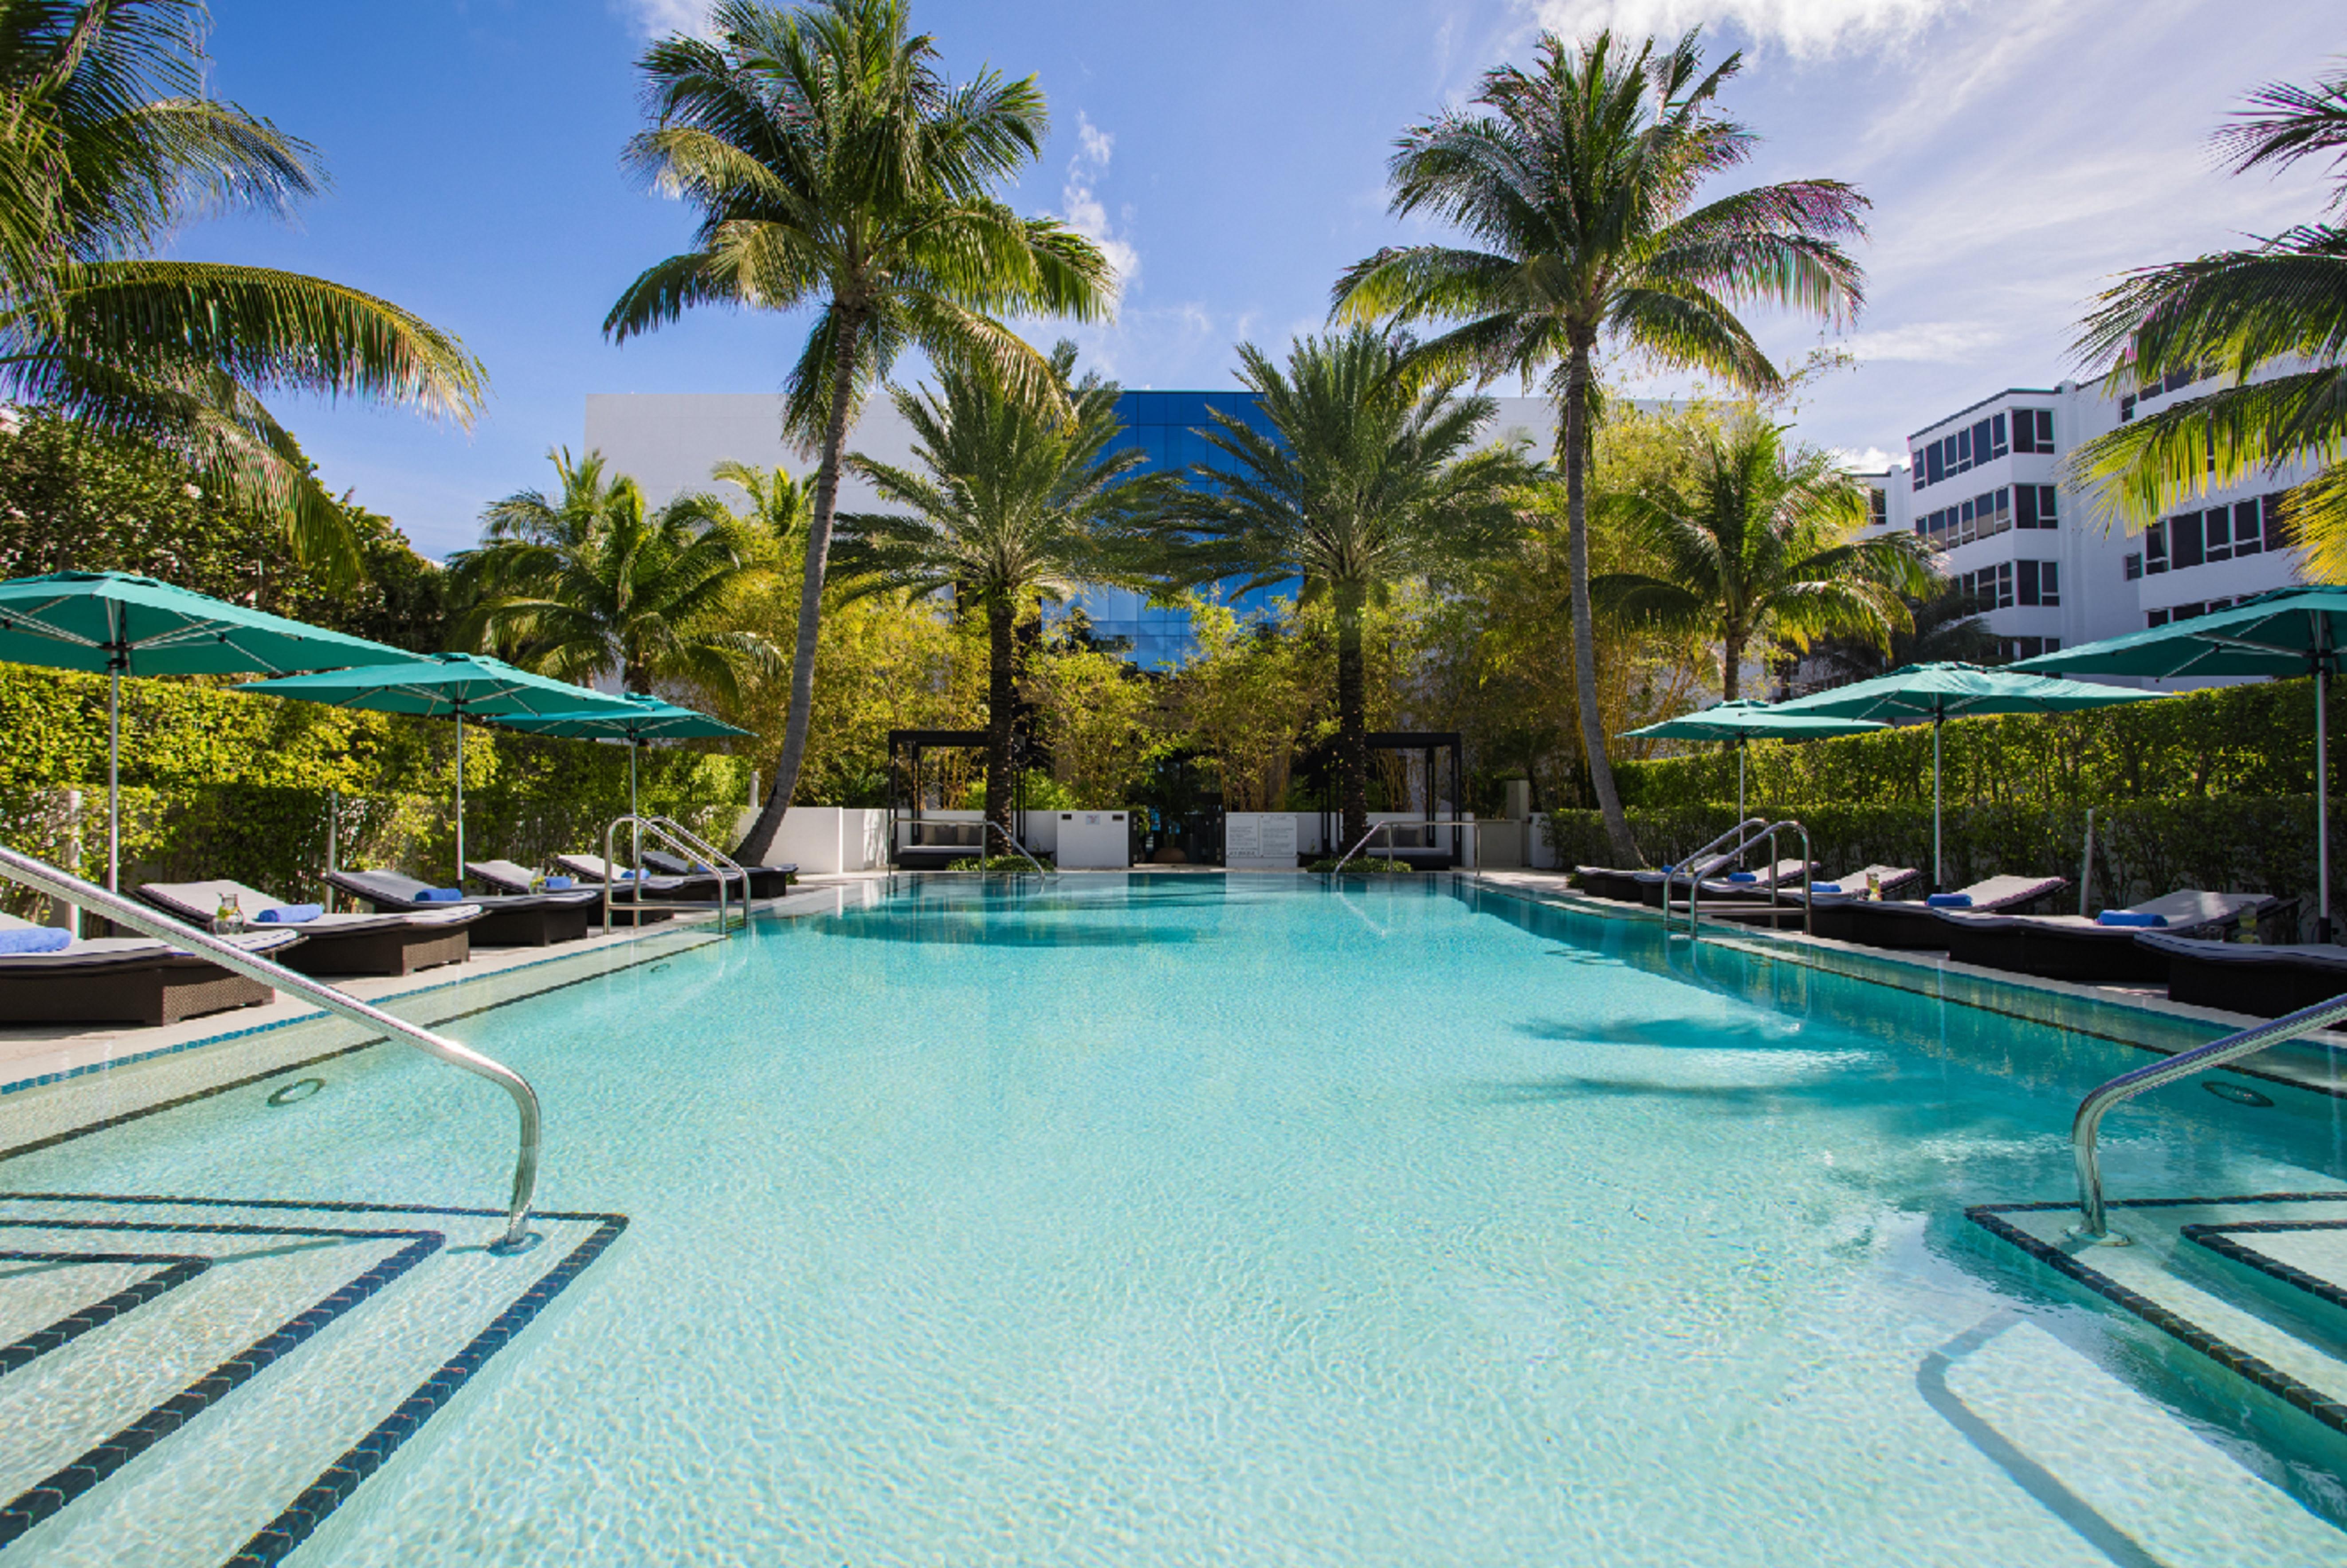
1987	487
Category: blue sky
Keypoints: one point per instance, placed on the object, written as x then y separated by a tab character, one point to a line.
1232	155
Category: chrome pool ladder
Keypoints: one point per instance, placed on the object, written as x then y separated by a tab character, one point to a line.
1012	840
1768	835
675	836
43	878
2087	1124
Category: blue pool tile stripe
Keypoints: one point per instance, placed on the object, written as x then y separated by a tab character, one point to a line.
2271	1378
2219	1239
271	1545
171	1271
55	1492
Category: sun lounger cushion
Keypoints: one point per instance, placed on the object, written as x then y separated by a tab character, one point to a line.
36	939
439	895
289	914
1950	900
560	884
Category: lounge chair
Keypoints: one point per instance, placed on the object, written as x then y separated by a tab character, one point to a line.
1604	882
528	920
1654	885
1911	924
511	877
1761	884
1816	892
2073	947
127	979
2260	979
765	881
688	889
334	944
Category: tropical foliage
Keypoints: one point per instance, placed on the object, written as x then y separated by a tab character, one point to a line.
1360	483
1013	499
112	143
2276	311
588	581
1758	547
1574	186
833	165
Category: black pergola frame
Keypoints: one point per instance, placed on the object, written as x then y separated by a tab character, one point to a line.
906	747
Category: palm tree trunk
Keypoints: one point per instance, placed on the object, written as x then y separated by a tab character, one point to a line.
1575	439
1732	665
760	839
1000	786
1352	724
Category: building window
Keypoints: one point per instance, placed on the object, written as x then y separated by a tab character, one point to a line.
2003	585
2052	645
2216	534
2026	647
2040	582
2280	531
2187	613
2033	430
2184	540
2133	565
2246	540
2155	550
1997	445
2035	506
1964	458
2126	412
1878	508
2155	618
1934	463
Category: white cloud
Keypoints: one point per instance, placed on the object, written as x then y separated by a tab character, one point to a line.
1953	343
1808	28
658	19
1086	214
1873	460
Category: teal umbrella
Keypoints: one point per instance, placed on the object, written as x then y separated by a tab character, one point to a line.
647	718
2289	631
1941	692
123	625
443	685
1739	721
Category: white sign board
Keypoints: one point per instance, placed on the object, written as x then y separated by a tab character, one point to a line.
1242	836
1278	837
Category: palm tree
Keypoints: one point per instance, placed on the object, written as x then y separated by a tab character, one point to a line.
1949	626
1361	482
1574	184
1760	547
1014	500
589	582
109	145
835	167
2231	314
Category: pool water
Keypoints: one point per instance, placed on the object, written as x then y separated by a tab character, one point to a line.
1189	1220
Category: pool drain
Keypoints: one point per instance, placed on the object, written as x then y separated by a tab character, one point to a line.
2239	1093
298	1090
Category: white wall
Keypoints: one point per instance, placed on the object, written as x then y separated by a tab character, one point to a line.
825	840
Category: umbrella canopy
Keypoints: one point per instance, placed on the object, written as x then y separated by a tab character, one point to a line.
1941	691
1739	721
122	625
443	685
647	718
2289	631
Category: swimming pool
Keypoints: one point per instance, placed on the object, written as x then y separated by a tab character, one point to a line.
1181	1220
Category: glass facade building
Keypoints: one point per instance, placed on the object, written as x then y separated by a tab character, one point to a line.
1166	425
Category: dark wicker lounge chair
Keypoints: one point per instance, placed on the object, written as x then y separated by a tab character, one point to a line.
765	881
1821	892
2073	947
2264	981
336	944
1604	882
1912	925
530	920
663	885
127	979
1759	885
508	876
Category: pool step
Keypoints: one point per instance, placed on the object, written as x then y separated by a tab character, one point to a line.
2254	1285
199	1382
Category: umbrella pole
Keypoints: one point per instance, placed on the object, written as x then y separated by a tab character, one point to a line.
460	797
114	777
1938	885
1740	778
634	809
2323	801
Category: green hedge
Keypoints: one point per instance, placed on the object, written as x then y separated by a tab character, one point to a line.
222	785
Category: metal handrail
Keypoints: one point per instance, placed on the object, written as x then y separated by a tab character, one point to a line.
1012	840
1377	827
2084	1125
1738	833
660	829
43	878
725	864
1809	898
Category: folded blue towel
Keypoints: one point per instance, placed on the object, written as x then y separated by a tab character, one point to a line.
40	940
559	883
1950	901
1743	876
1668	870
289	914
441	895
1825	887
2129	917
